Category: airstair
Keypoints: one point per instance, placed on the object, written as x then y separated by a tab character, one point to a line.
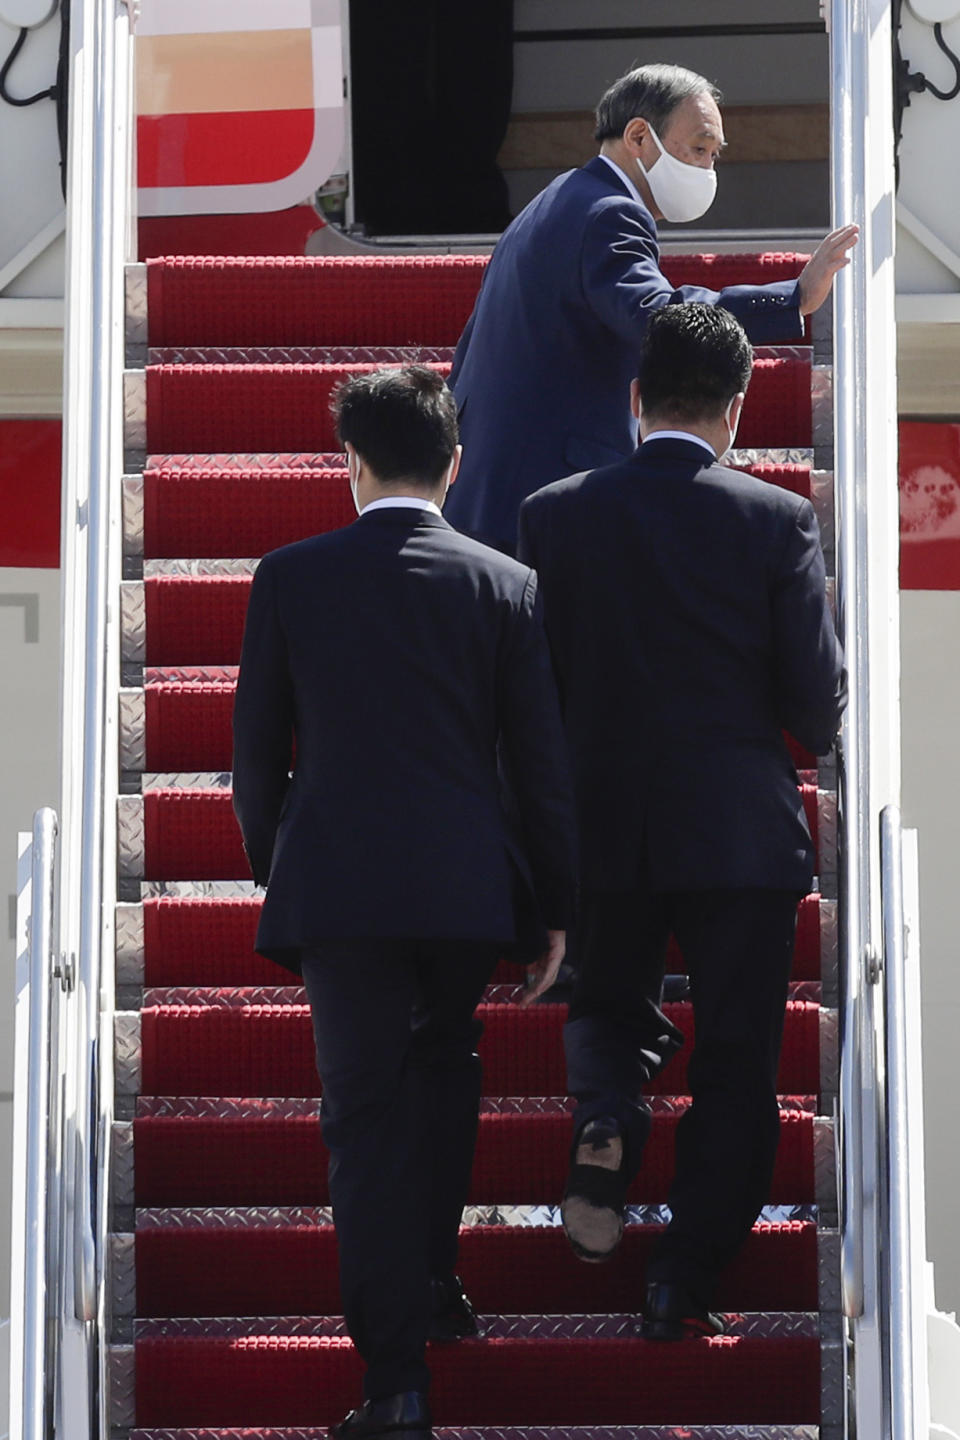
179	1282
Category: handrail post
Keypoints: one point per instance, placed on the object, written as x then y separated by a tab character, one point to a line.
33	1279
868	611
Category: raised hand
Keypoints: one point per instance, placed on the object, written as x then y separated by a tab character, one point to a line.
831	255
543	972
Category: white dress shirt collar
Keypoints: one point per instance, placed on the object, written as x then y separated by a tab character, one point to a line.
681	435
622	175
403	502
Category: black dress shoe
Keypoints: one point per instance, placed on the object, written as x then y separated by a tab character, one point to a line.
400	1417
592	1206
453	1317
672	1313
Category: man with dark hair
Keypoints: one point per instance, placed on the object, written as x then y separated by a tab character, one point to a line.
401	657
543	368
686	612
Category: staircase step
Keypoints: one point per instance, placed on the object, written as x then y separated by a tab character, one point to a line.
374	300
183	721
285	1268
533	1374
187	834
168	942
229	511
552	1432
244	1045
270	1152
285	407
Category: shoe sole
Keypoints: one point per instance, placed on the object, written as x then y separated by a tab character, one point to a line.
594	1231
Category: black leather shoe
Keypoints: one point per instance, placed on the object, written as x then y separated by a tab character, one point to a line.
592	1207
453	1317
671	1313
400	1417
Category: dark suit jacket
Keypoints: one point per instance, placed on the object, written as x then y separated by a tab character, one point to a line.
398	652
543	369
686	612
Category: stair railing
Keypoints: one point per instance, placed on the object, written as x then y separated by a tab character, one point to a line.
99	230
35	1271
881	1219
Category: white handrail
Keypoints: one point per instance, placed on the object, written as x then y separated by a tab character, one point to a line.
867	594
34	1279
99	209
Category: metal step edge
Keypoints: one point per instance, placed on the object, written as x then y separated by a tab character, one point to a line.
492	1432
282	997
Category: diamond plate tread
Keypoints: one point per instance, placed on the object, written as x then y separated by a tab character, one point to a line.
133	622
122	1275
828	1272
218	462
537	1432
278	1217
300	355
200	890
129	944
800	991
127	1052
133	729
217	1107
132	508
122	1383
825	1168
759	1326
130	837
198	568
185	780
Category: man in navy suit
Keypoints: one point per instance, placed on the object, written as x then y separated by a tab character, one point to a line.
407	661
543	369
687	617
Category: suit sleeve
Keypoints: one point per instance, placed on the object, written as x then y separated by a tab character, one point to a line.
535	750
262	725
810	676
624	285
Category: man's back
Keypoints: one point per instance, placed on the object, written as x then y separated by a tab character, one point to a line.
542	372
398	650
685	609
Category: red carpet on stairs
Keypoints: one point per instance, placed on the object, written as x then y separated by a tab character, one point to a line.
210	942
193	834
242	458
291	1269
302	1380
389	300
245	510
279	408
189	712
259	1048
258	1152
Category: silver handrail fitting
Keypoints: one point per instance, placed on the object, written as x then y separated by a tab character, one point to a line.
34	1279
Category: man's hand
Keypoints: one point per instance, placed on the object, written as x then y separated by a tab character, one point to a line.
543	972
831	255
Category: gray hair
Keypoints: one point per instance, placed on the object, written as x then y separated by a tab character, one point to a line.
652	92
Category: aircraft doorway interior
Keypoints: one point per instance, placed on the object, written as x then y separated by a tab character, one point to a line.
462	113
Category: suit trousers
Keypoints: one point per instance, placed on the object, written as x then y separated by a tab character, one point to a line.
396	1036
738	950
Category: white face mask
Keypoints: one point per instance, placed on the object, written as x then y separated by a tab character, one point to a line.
680	191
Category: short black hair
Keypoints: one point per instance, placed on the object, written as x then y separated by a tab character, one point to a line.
402	422
652	92
693	360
